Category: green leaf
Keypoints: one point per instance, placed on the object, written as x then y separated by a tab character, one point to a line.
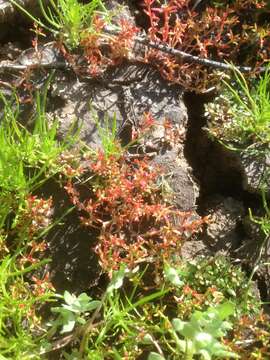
231	292
155	356
226	354
69	298
81	320
68	323
117	279
203	340
182	344
205	354
189	330
172	276
178	325
225	310
72	308
92	305
84	298
78	308
147	339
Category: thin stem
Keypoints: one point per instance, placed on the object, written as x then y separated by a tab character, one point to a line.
185	56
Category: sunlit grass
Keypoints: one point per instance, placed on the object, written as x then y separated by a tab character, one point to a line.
240	116
66	18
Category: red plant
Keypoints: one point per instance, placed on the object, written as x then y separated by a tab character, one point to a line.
32	218
37	214
219	33
121	44
41	286
102	50
126	206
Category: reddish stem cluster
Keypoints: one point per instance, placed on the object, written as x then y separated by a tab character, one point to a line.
126	206
37	214
215	33
102	50
218	33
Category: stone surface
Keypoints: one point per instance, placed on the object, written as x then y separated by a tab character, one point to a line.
179	187
125	95
193	249
9	12
222	233
256	170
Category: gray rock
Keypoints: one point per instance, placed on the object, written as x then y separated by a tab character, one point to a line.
255	168
179	187
225	216
124	94
9	12
192	249
45	54
11	15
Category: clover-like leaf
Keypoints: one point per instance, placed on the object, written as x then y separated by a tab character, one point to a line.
203	340
225	310
172	276
178	325
69	298
69	322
